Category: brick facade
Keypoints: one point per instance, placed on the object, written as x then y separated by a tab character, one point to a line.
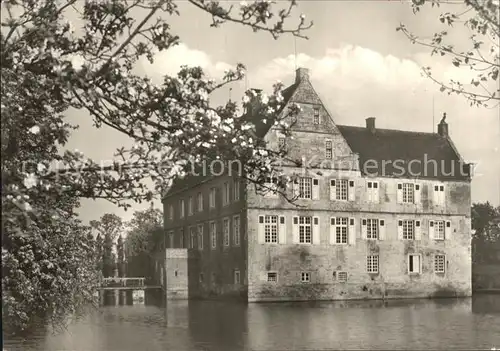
323	269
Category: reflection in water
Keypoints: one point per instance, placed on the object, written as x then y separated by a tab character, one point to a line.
215	325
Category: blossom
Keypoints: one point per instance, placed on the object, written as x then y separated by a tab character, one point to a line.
41	167
27	207
246	99
264	99
34	130
30	181
243	4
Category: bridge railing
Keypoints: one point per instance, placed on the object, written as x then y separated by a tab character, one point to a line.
123	282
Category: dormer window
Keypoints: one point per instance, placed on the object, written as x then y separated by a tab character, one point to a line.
316	115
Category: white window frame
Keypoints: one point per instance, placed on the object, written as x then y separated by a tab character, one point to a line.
211	197
413	263
171	211
281	142
271	187
341	193
171	239
437	263
438	225
408	191
190	206
372	224
237	277
236	190
200	236
305	277
338	230
271	229
226	199
439	194
409	225
213	234
372	191
200	201
372	264
192	237
226	230
341	276
181	208
328	149
302	228
316	115
236	230
305	188
273	276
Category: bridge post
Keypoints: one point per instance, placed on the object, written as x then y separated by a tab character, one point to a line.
116	291
101	297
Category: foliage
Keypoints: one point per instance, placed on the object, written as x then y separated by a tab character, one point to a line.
120	257
486	222
144	238
48	67
108	227
481	19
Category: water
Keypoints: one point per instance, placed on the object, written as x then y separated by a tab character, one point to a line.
472	323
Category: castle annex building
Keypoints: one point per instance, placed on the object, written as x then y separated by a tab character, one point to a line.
389	219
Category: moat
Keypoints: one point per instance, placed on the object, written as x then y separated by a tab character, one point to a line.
463	323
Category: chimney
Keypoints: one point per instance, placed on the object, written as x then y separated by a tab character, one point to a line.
301	74
443	127
370	124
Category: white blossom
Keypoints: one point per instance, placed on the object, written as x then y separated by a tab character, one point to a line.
264	99
30	181
246	99
243	4
41	167
27	207
34	130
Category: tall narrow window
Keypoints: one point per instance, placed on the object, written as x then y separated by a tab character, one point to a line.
408	229
414	263
226	199
213	235
200	236
408	193
271	229
200	202
181	208
182	239
226	230
212	197
439	263
236	190
371	228
305	188
236	230
342	186
171	239
316	115
236	276
281	142
341	230
305	230
328	149
192	238
171	212
372	263
372	191
190	206
438	230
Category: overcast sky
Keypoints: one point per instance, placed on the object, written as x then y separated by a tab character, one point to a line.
360	66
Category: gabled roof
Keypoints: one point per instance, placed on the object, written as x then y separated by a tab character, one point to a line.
396	153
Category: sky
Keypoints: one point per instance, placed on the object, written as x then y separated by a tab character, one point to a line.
359	64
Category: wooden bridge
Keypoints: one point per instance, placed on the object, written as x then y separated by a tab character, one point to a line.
128	283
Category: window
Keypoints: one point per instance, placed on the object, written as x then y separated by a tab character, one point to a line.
200	202
328	149
171	239
272	277
214	278
213	235
341	226
372	191
305	277
226	231
200	236
171	212
211	197
192	238
414	264
225	199
281	142
236	230
271	229
305	188
372	262
236	276
408	193
270	187
201	277
439	263
181	208
371	228
439	197
190	206
305	230
342	276
438	227
342	185
408	229
236	190
316	115
182	239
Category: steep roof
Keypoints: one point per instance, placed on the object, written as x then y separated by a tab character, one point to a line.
396	153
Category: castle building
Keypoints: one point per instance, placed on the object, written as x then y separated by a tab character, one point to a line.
381	214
